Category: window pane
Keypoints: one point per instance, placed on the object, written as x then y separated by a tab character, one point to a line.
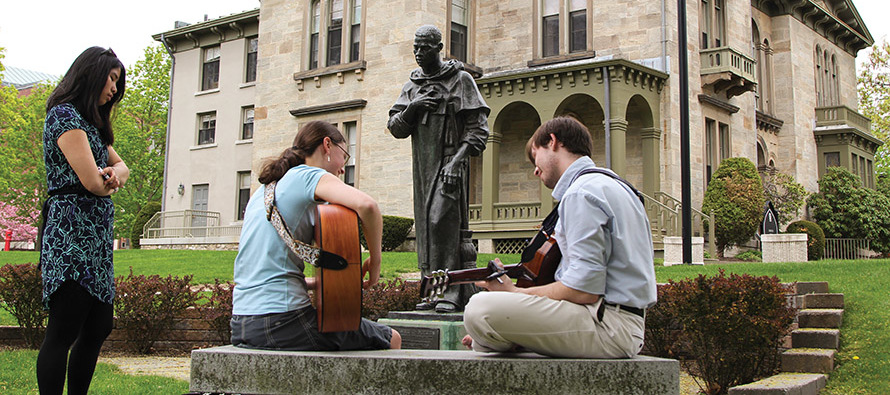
832	159
459	42
313	51
210	72
355	32
725	147
459	12
577	5
356	12
550	42
316	16
551	7
207	130
243	193
251	60
351	131
578	27
335	31
247	127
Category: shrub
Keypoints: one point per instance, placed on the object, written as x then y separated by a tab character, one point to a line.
217	312
786	194
735	197
846	209
815	237
395	232
146	306
732	326
21	291
662	327
145	214
391	295
751	256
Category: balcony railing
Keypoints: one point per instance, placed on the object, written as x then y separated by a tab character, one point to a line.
842	115
727	59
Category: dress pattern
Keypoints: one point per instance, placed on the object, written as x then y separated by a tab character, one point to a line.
77	239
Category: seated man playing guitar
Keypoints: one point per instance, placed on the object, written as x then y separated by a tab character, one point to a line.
605	279
271	307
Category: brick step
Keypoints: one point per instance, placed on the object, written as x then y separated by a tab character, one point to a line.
815	338
784	383
808	360
811	287
820	318
823	301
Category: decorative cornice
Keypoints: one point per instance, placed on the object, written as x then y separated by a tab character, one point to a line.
840	24
769	123
339	106
235	22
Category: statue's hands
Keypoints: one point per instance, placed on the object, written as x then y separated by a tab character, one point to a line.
451	175
421	105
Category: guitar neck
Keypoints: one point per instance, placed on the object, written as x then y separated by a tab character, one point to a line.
472	275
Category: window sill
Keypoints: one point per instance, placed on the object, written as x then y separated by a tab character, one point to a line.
207	92
247	85
561	58
200	147
358	67
245	141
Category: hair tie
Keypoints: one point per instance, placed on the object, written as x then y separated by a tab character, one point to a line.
295	148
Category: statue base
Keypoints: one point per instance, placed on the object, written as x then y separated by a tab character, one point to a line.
427	330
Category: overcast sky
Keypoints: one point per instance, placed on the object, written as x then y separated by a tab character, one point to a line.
46	35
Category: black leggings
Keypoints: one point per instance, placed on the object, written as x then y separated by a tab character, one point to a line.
78	318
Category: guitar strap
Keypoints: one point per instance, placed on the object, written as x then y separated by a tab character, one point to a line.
550	222
309	254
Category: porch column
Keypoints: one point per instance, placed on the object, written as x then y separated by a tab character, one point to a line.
651	160
618	145
491	159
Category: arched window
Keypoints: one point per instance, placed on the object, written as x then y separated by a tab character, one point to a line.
820	99
835	86
756	53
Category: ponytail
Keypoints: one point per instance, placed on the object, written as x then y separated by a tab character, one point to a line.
306	142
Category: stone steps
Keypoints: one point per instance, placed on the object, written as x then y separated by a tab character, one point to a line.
813	342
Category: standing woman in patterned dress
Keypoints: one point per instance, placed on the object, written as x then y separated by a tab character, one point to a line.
82	171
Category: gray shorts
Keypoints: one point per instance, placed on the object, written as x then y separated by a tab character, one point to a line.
298	331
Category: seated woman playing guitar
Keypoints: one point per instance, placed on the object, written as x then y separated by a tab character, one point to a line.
271	303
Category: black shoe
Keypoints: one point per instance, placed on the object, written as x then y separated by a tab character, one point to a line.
445	307
425	306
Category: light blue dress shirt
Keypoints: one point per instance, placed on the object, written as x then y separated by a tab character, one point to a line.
268	276
605	238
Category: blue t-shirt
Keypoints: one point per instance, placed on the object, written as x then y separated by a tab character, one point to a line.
268	276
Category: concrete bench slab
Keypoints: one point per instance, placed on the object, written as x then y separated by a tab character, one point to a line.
784	384
235	370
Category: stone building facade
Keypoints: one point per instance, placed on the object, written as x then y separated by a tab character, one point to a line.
770	80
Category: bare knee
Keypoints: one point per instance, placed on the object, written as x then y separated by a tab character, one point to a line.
395	342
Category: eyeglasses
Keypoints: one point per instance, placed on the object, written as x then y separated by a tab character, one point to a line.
109	52
344	151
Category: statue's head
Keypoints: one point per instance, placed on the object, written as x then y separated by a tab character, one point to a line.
427	45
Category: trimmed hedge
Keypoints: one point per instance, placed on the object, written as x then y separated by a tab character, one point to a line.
815	237
846	209
395	232
735	196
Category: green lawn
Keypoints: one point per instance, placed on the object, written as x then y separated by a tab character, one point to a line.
863	362
17	377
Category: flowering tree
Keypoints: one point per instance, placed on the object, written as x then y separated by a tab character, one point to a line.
22	230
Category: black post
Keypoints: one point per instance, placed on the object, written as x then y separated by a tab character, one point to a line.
686	195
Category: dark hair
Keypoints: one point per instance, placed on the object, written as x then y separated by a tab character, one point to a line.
82	85
310	136
573	135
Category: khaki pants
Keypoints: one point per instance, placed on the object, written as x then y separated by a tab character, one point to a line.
498	321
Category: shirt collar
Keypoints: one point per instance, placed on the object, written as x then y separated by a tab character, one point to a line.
566	180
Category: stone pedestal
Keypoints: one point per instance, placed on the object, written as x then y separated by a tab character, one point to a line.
673	251
786	247
424	330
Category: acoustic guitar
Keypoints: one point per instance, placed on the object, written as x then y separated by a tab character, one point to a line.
538	267
338	293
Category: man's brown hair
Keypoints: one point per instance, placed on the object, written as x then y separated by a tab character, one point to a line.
573	135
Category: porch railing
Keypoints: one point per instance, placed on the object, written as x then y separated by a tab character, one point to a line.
847	249
187	223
